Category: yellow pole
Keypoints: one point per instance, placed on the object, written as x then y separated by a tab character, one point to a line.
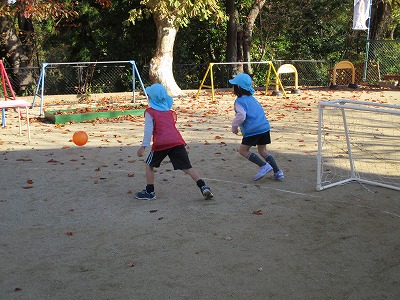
204	78
268	75
278	80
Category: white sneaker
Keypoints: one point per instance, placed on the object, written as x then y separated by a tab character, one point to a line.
263	170
205	190
278	176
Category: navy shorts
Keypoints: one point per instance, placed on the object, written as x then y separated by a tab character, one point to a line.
258	139
178	156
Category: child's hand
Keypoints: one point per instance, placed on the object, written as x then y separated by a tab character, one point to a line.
141	151
235	130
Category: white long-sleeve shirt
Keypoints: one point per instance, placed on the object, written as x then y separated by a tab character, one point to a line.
239	118
148	129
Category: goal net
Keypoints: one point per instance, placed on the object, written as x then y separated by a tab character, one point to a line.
358	141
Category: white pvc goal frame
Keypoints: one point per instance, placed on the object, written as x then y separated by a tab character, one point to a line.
358	141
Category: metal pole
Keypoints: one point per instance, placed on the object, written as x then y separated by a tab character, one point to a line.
367	44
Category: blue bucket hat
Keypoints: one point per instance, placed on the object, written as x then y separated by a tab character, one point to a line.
159	98
244	81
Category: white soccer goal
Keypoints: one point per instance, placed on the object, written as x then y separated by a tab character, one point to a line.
358	141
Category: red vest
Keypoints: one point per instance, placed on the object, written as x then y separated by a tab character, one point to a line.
165	134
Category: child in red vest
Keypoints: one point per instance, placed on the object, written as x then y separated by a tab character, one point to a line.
167	141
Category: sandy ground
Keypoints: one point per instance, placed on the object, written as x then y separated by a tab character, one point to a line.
70	227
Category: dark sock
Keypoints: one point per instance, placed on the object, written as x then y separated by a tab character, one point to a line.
269	159
254	158
150	188
200	183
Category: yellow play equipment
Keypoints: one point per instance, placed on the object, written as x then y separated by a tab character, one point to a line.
285	69
210	73
345	64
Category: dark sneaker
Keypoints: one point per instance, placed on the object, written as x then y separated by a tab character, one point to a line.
262	171
205	190
144	195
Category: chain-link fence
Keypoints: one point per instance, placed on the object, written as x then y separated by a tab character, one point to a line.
77	78
310	73
383	59
92	78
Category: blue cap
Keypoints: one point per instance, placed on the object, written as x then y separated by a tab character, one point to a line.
159	98
244	81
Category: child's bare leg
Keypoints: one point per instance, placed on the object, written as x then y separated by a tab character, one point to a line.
192	173
262	150
244	150
149	175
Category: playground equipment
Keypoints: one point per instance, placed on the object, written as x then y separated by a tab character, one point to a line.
5	81
83	74
13	102
341	66
17	104
210	73
285	69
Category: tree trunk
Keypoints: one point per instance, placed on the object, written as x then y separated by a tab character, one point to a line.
231	45
231	36
15	55
161	63
248	32
239	41
380	19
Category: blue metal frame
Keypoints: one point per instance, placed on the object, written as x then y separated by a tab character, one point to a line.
41	80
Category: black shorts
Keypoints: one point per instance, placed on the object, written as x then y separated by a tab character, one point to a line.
258	139
178	156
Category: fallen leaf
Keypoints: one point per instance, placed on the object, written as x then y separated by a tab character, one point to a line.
257	212
24	159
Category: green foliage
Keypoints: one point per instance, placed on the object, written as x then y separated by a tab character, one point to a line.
306	29
387	54
285	30
100	35
179	12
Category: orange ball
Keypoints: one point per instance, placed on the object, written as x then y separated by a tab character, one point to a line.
80	138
